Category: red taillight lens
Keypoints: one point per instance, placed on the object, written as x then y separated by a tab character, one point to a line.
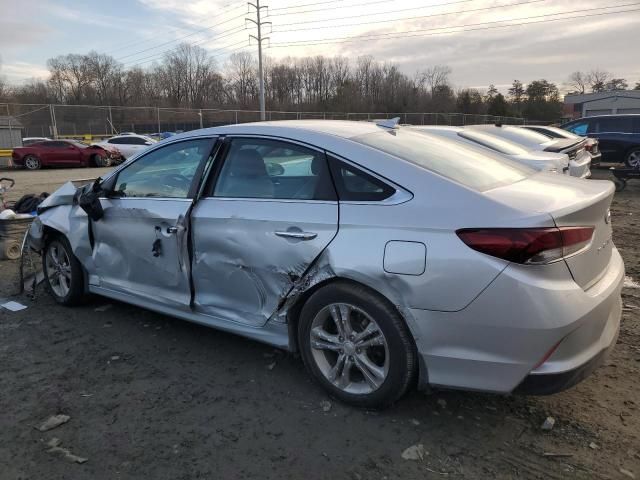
527	245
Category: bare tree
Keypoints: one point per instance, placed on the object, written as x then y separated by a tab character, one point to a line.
578	81
71	76
435	76
241	78
597	80
617	84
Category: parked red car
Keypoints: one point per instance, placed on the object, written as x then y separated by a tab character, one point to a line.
65	153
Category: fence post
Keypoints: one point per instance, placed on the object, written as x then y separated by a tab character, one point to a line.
110	120
236	116
54	126
9	122
158	115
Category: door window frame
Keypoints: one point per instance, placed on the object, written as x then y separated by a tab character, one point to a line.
196	183
214	174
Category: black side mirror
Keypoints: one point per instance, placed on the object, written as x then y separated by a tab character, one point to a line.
88	199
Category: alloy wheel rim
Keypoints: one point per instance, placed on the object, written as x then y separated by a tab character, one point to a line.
32	163
58	269
349	348
634	159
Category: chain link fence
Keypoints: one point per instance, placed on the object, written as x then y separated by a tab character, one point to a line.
92	122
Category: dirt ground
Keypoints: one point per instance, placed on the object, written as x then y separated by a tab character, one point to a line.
157	398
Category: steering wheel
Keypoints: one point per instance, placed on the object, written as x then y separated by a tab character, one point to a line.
176	180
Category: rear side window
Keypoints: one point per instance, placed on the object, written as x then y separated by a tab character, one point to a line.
353	184
273	169
471	166
613	125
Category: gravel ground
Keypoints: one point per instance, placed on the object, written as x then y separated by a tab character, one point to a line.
153	397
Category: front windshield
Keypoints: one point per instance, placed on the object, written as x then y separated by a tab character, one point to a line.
473	167
78	143
501	145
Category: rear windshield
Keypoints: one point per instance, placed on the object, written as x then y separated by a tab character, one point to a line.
522	136
495	143
474	167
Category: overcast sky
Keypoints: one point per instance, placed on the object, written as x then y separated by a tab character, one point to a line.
410	33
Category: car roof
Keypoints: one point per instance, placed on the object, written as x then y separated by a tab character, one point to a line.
604	116
294	128
444	128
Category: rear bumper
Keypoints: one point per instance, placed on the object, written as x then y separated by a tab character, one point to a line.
581	167
494	343
547	384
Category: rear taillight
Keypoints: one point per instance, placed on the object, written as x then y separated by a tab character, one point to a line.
531	246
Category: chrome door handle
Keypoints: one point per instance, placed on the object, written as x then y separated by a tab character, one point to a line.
172	229
298	235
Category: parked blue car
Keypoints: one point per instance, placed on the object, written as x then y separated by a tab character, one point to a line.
619	136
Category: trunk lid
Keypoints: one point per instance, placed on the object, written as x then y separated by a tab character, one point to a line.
570	202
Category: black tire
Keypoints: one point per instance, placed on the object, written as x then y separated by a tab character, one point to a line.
31	162
631	159
75	293
401	347
101	160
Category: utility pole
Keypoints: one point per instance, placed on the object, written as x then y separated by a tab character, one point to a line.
259	39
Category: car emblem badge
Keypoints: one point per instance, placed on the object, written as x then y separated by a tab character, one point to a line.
607	217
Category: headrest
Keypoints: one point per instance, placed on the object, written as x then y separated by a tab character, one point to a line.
317	164
248	163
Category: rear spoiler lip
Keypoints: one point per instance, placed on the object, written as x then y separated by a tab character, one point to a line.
567	144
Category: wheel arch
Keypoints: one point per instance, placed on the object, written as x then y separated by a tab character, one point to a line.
49	233
295	308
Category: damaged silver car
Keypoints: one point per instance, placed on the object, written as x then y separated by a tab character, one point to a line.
386	257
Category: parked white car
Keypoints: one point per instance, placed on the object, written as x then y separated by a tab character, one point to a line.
542	161
575	149
129	144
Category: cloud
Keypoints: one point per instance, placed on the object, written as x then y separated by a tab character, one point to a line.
21	71
478	56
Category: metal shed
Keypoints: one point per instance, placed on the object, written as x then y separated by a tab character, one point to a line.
10	132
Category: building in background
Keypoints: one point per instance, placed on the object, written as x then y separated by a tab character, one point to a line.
10	132
601	103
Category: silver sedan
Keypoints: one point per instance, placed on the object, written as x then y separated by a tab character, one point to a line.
386	257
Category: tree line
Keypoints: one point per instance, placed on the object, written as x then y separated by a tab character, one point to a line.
189	77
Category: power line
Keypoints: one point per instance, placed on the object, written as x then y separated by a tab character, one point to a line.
391	35
366	14
158	55
313	4
125	46
409	18
180	38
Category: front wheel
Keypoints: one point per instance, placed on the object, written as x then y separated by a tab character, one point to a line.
62	272
633	159
356	345
31	162
101	160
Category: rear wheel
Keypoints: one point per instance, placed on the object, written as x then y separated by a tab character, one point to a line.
633	159
31	162
356	345
62	272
